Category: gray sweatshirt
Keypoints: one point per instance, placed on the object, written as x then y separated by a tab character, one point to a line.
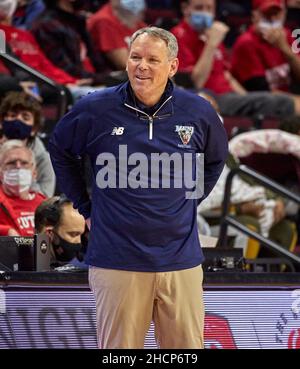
45	181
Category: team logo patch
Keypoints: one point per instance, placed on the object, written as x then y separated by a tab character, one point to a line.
185	133
118	131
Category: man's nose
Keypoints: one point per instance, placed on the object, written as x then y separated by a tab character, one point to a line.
18	164
143	64
273	17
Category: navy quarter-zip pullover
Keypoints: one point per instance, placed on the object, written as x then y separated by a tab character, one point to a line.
148	228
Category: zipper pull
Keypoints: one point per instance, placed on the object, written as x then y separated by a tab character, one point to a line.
150	128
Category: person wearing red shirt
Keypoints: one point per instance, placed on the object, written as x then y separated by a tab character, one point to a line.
202	54
112	26
25	47
18	203
263	57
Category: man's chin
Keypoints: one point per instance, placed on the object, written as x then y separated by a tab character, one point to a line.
142	90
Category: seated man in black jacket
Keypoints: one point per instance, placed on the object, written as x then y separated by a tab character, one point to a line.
65	227
61	33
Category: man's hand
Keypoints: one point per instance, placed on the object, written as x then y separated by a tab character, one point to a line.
251	208
276	37
12	232
216	33
81	82
27	88
279	211
84	82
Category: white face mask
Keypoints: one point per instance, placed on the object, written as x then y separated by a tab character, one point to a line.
7	8
265	24
17	180
133	6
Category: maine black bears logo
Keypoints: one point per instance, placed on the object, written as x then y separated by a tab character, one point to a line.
185	133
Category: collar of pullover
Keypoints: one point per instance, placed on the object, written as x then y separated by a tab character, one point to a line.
163	108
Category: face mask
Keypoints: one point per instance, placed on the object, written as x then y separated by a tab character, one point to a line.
16	129
69	250
17	180
201	20
265	25
7	8
133	6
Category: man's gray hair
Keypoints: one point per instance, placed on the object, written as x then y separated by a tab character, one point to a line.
162	34
15	144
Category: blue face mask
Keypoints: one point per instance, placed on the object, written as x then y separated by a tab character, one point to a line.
201	20
133	6
16	129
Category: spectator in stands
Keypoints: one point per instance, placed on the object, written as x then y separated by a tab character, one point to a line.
18	203
8	83
65	227
112	26
202	54
13	78
24	46
61	33
20	118
263	58
27	11
253	205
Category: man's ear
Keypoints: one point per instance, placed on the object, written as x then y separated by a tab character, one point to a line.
174	67
34	173
255	16
49	232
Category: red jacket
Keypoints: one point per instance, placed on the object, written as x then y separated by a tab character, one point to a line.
254	57
18	214
25	47
191	47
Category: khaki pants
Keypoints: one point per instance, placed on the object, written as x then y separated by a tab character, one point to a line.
127	301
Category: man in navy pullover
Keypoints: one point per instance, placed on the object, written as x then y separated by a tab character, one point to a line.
149	144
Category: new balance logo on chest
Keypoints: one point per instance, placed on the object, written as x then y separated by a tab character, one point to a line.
118	131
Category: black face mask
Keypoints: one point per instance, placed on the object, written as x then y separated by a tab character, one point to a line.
16	129
66	251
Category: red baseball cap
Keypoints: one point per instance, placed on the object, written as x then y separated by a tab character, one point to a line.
264	5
